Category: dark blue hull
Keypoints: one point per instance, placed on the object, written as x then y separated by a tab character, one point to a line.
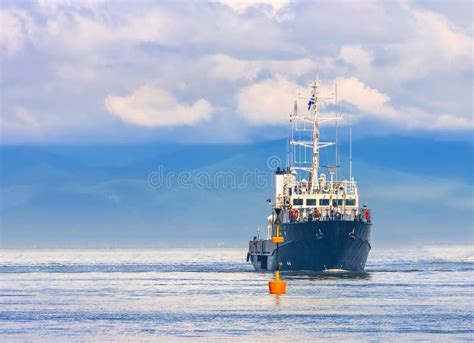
316	246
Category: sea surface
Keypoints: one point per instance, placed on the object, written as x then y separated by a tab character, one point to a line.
420	294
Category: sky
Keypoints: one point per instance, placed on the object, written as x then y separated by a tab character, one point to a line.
85	72
97	95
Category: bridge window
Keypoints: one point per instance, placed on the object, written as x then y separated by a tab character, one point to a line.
350	202
310	202
336	202
298	202
324	202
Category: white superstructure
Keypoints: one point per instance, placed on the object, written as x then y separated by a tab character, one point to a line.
303	186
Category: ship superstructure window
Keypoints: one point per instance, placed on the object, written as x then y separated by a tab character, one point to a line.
298	202
310	202
336	202
323	202
350	202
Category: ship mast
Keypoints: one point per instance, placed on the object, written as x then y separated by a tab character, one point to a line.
313	103
305	136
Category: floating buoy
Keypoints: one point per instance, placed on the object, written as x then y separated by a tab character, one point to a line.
277	239
277	286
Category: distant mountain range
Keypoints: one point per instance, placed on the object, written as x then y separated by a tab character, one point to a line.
180	195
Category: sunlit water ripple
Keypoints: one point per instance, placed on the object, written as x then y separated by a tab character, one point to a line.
192	294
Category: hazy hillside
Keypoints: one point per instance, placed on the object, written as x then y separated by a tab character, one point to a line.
210	194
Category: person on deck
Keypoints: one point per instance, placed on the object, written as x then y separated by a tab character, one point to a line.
367	215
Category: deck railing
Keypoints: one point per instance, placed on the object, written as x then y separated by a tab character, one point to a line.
347	214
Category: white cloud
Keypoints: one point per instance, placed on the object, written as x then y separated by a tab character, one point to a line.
433	45
451	122
357	57
23	123
16	27
99	28
373	103
226	67
410	67
240	6
427	43
367	99
269	101
26	118
154	107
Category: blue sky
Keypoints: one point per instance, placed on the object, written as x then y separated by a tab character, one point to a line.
94	95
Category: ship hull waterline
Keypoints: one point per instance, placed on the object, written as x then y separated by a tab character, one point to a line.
315	246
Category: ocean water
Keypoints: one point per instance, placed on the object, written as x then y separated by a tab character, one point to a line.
422	294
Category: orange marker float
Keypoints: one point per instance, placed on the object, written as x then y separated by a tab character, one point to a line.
277	286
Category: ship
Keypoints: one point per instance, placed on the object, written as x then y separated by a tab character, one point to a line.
320	217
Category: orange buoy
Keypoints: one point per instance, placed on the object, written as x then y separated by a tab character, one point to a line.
277	286
278	239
